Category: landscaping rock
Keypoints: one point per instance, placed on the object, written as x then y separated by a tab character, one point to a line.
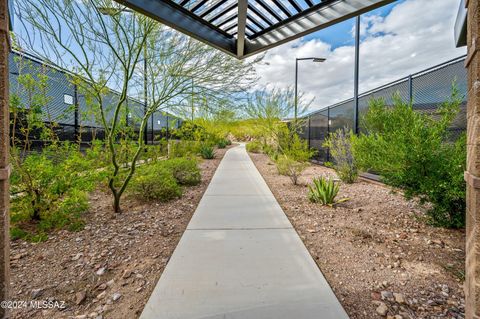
382	309
80	297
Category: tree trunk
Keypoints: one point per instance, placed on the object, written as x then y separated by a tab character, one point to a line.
116	203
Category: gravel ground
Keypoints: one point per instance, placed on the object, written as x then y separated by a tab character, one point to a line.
377	254
109	269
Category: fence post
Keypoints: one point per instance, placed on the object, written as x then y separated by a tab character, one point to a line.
152	129
76	109
166	136
309	132
328	132
356	75
410	89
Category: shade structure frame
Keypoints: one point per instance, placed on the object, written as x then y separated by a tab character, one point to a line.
280	20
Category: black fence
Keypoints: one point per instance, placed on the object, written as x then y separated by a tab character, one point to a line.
68	108
426	89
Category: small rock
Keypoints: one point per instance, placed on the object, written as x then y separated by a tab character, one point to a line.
382	309
102	286
375	296
126	274
77	256
399	298
36	293
101	271
386	295
116	296
101	295
80	297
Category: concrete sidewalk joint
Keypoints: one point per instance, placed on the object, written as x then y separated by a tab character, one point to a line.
240	258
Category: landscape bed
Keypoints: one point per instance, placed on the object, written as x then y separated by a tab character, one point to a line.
375	249
108	269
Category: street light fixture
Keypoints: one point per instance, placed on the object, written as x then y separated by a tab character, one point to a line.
316	60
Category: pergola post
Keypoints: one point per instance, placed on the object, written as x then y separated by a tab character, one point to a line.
472	175
4	164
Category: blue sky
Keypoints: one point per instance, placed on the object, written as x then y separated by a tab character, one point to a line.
341	34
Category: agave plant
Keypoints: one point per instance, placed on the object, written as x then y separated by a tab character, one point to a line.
324	191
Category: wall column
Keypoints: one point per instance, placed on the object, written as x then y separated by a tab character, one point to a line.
472	175
4	151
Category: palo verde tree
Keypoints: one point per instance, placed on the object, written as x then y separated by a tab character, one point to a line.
108	46
269	107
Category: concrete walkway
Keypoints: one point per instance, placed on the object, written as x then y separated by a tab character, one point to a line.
240	258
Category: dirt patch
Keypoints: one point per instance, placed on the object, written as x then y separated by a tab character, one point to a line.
109	269
374	250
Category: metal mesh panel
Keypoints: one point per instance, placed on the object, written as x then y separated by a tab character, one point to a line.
60	108
318	133
435	86
428	89
341	116
57	87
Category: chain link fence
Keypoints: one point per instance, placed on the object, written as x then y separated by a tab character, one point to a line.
69	109
427	89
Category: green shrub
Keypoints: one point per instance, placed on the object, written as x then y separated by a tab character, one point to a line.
289	167
155	182
254	147
297	149
185	170
413	151
207	151
324	191
222	143
182	149
51	187
328	164
340	146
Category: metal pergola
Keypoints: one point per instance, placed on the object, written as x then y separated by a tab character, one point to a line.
246	27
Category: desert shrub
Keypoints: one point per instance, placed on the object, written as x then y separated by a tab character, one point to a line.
155	182
290	167
184	170
340	146
324	191
182	149
414	151
254	147
297	149
207	151
51	187
222	143
191	131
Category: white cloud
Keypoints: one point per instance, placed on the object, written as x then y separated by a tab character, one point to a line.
416	34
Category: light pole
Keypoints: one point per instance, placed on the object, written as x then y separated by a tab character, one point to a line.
296	79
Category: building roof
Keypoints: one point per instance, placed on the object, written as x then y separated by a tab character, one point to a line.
243	28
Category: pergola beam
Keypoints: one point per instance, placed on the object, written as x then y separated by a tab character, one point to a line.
320	16
242	26
179	18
